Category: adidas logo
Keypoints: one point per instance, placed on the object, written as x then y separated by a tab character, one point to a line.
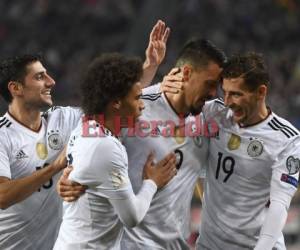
21	155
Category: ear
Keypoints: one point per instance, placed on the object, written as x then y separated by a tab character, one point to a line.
117	104
187	71
262	91
15	88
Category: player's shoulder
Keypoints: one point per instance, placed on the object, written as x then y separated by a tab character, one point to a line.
215	103
60	111
213	107
7	131
150	98
152	89
282	128
5	122
6	125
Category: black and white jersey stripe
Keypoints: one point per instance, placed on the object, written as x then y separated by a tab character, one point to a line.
220	101
288	131
4	122
151	97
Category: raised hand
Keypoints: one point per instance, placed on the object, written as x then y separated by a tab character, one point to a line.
156	50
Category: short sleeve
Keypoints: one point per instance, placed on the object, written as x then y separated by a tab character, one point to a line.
153	89
4	159
103	168
285	173
72	115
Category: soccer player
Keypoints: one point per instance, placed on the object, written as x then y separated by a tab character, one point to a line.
110	89
30	146
30	155
253	167
165	225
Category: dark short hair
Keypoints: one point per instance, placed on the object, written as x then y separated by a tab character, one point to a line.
14	69
250	66
109	77
199	53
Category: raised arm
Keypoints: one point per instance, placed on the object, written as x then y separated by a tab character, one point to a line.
155	52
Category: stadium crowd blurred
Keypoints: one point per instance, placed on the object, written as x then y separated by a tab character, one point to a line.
70	33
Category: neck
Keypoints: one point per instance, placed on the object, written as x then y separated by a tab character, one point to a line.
111	123
262	114
29	117
177	103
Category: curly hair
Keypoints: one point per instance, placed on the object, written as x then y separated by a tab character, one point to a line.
251	67
14	69
109	77
199	53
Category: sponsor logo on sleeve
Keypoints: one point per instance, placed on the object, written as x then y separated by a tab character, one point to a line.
289	179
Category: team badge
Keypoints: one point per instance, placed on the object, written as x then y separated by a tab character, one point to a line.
234	142
198	141
41	150
178	136
255	148
55	141
293	165
117	179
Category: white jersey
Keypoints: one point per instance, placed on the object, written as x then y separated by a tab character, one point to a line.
166	224
248	167
91	222
33	223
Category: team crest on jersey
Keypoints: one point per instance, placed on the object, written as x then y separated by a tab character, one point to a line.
255	148
293	165
41	150
234	142
55	141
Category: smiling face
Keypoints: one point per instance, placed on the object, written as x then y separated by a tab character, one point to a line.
245	104
36	87
200	85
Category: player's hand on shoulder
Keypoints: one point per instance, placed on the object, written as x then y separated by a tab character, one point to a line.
162	172
69	190
172	82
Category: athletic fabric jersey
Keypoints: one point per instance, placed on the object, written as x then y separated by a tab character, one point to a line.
248	167
166	224
101	163
33	223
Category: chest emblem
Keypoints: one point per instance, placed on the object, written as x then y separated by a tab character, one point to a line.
234	142
55	141
178	135
41	150
255	148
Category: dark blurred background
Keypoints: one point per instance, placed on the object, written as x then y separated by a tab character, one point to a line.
70	33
